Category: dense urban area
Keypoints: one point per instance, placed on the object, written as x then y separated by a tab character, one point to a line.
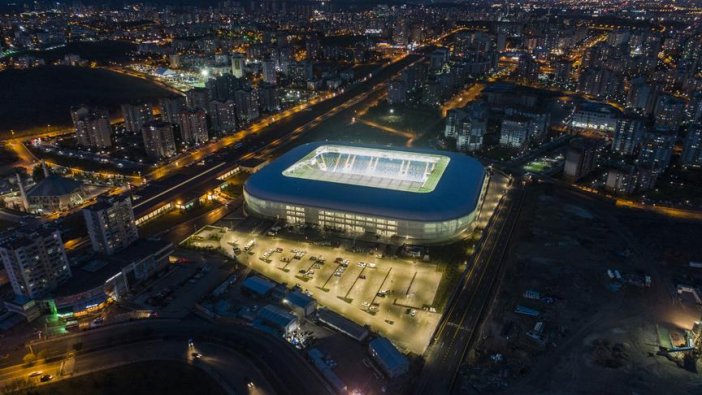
351	197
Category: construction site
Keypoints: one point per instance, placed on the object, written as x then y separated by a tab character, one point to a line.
594	297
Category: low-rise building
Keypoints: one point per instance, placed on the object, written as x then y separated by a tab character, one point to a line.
25	306
277	319
258	286
302	305
106	278
595	116
390	360
343	325
54	193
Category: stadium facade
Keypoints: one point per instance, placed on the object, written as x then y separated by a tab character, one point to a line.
421	196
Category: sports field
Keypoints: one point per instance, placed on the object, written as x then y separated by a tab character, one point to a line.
371	167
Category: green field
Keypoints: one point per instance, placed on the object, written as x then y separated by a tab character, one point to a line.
312	167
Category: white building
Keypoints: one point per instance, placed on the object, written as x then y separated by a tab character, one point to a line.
515	131
468	126
238	65
595	116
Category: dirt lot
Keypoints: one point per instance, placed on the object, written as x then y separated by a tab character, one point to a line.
599	335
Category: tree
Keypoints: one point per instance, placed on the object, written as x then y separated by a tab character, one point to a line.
29	359
38	173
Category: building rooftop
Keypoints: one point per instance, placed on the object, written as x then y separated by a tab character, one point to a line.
191	181
26	235
102	267
299	299
54	185
416	184
104	202
390	356
342	324
275	316
258	285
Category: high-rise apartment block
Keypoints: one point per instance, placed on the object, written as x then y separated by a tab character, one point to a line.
110	224
136	115
159	141
92	126
193	126
35	260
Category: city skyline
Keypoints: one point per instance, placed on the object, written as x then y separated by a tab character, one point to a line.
351	197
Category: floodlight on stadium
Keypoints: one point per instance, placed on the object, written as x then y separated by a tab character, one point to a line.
419	195
371	167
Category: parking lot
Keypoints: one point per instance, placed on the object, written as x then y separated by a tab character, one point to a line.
394	296
182	285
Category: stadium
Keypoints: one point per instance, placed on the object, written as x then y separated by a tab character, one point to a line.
415	196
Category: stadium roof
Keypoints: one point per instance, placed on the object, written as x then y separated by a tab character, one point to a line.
449	191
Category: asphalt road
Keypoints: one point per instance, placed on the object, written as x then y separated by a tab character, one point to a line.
465	313
229	369
279	125
279	364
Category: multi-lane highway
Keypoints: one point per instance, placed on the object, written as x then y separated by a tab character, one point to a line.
465	312
280	367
